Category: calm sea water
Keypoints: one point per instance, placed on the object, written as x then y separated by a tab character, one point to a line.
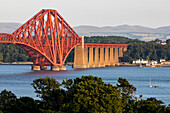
18	79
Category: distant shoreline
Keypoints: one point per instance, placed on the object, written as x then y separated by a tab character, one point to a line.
129	65
71	63
16	63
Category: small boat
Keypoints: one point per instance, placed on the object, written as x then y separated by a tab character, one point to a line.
156	86
150	85
150	82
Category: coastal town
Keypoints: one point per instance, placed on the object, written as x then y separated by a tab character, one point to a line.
152	63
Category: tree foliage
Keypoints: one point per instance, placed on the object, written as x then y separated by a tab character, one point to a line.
87	94
52	96
9	103
90	95
12	53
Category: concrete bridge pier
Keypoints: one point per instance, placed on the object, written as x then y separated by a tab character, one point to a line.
36	68
43	67
91	60
86	60
112	62
120	52
116	58
101	61
62	68
79	57
96	60
79	61
107	59
55	68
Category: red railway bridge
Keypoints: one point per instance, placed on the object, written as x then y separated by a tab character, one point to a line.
48	39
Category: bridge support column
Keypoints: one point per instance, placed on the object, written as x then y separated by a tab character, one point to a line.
62	68
107	59
120	52
36	68
112	62
96	60
91	62
116	57
102	63
79	56
124	49
86	60
55	68
43	67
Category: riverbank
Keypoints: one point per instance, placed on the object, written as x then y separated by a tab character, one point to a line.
71	63
16	63
156	65
127	64
161	65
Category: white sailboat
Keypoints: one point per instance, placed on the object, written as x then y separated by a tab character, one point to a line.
150	82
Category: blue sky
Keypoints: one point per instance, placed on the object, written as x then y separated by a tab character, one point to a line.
149	13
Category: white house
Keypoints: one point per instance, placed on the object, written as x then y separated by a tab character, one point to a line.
140	61
162	60
153	62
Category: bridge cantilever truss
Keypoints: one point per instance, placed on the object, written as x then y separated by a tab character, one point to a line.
46	37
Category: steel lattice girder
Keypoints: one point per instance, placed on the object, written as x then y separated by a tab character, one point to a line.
46	37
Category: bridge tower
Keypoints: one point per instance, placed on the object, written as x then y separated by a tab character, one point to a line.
47	38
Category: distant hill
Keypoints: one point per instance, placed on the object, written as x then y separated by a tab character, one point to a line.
163	30
9	27
134	32
123	28
128	28
91	29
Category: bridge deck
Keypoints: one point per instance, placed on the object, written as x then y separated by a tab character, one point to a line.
106	45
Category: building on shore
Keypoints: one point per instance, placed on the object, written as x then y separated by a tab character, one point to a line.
153	62
161	60
140	61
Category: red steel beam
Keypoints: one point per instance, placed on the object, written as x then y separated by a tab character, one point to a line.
46	37
106	45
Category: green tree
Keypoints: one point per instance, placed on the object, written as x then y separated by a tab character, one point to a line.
22	57
7	99
26	105
6	57
127	91
91	95
151	105
87	94
1	57
10	104
52	96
